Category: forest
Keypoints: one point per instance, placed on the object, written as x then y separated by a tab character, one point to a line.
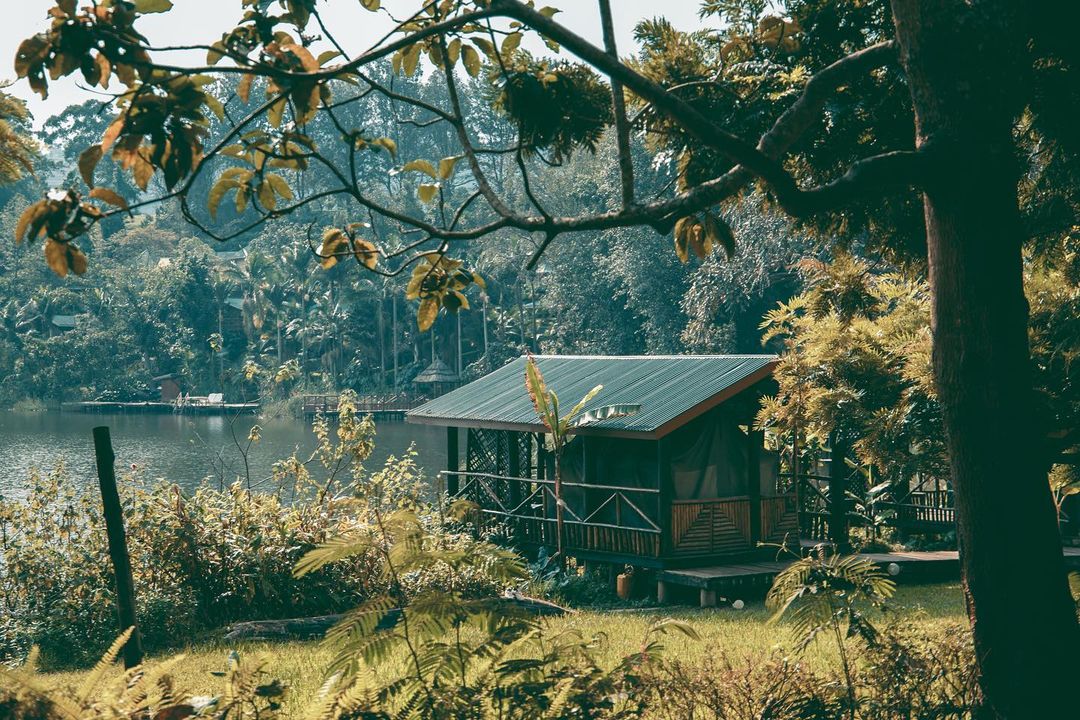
165	298
884	195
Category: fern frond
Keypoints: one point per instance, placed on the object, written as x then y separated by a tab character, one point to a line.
91	684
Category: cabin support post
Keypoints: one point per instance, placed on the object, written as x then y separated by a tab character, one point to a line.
513	446
452	479
662	592
663	497
708	598
755	441
838	524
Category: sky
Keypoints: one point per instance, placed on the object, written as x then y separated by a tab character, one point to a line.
203	21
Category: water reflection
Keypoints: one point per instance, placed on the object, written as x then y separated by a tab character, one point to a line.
180	448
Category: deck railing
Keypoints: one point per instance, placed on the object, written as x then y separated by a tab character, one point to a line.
618	521
365	404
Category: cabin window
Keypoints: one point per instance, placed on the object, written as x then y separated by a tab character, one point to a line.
708	458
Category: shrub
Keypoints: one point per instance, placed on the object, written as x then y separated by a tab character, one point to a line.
200	561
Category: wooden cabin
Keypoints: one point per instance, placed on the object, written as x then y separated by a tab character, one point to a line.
682	482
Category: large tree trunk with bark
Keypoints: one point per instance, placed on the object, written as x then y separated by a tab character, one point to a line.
964	62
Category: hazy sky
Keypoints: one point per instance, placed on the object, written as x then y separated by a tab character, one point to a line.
203	21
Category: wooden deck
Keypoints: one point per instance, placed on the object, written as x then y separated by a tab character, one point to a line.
756	577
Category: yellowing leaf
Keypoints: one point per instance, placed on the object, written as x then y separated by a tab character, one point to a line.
682	242
29	215
88	160
412	290
276	112
387	144
371	5
111	133
427	191
153	6
56	257
280	186
266	195
426	313
76	260
366	253
453	51
485	46
510	44
446	166
334	242
421	166
411	59
471	59
109	196
718	232
243	194
243	88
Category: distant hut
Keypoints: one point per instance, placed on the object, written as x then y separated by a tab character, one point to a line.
437	378
685	481
232	317
168	387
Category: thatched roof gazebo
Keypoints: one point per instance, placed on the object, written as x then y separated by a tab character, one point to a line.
439	377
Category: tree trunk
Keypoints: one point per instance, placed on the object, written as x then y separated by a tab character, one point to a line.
964	62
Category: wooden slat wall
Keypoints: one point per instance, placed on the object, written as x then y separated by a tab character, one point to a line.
779	518
711	527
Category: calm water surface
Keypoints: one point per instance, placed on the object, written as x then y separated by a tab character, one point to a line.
182	449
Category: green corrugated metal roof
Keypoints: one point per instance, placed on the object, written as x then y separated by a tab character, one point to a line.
665	387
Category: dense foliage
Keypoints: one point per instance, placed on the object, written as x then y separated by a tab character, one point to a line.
856	365
209	558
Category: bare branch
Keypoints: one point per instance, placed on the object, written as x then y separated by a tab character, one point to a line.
618	107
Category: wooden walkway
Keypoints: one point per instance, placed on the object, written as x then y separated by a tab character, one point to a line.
751	577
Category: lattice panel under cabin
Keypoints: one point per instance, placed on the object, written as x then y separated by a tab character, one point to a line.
712	527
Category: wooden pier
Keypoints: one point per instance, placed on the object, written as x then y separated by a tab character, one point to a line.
381	407
103	407
755	578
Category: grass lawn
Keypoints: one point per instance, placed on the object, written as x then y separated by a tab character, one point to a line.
742	632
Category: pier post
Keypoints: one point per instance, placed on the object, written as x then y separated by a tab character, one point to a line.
118	550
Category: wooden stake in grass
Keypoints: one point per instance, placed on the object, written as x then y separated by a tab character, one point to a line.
118	551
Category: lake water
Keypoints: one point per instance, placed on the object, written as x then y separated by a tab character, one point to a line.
183	449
